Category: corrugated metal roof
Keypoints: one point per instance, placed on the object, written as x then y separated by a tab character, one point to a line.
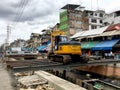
95	31
110	33
113	27
89	33
77	34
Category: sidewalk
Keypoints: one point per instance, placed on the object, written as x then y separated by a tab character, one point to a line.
5	82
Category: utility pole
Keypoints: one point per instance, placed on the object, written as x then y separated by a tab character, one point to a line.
8	34
7	38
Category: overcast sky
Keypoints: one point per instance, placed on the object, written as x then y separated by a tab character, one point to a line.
40	14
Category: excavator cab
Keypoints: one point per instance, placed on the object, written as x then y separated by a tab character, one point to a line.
58	39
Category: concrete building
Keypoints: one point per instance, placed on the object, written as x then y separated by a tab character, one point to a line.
18	43
74	18
45	36
112	18
71	20
56	27
95	18
33	42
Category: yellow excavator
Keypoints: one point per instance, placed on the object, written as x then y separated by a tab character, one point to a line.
63	50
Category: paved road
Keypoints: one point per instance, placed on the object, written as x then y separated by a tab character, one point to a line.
5	80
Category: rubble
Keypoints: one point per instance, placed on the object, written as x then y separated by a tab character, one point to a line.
32	82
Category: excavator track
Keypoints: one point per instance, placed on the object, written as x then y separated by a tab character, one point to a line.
65	59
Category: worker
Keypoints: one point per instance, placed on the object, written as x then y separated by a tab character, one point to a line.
103	54
89	53
84	52
111	55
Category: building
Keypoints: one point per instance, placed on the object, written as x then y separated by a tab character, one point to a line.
112	18
74	18
71	19
33	42
95	18
18	43
45	36
56	27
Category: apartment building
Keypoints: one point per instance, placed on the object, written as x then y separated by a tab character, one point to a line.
71	20
74	18
95	18
33	42
112	18
45	37
18	43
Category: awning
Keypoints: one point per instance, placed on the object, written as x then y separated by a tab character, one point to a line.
94	31
117	45
88	45
110	33
90	33
77	34
105	45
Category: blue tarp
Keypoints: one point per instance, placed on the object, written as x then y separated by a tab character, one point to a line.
48	42
30	49
105	45
41	48
23	49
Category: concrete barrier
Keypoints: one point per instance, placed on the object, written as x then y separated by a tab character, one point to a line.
58	83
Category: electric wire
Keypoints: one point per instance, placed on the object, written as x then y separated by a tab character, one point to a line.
22	5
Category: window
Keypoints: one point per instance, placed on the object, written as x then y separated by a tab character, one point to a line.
117	13
101	21
101	15
91	14
93	27
95	14
64	38
94	20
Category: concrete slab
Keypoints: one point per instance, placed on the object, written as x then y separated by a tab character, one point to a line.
58	83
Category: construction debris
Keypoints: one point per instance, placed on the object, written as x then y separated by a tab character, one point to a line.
33	82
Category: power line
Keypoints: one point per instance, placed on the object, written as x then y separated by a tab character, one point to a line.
20	11
20	4
24	5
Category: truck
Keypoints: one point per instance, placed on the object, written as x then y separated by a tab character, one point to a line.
64	50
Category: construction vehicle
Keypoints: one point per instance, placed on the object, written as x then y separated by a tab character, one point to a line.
63	50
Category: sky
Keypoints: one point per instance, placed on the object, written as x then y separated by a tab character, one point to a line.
40	14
